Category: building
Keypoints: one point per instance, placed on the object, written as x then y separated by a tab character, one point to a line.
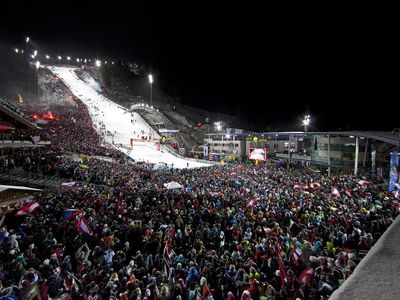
226	146
352	150
342	150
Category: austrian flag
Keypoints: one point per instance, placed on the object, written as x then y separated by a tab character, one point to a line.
83	226
253	202
335	192
363	182
314	186
28	208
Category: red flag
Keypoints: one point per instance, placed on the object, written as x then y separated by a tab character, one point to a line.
335	192
348	192
283	272
396	205
306	276
314	186
28	208
83	226
253	202
68	184
363	182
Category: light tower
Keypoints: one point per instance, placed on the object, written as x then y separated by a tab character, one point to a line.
151	88
306	122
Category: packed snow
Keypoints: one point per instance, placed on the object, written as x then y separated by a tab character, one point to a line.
117	125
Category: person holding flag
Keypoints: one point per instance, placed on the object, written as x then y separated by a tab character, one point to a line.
29	208
70	213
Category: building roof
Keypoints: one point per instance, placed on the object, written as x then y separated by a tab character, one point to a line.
383	136
15	187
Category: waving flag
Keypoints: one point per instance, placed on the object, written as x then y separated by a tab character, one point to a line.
396	205
301	186
246	189
306	276
363	182
296	255
68	184
28	208
348	192
314	186
253	202
70	213
83	226
335	192
282	270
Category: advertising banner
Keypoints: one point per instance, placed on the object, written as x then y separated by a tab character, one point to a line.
373	159
394	175
205	151
258	154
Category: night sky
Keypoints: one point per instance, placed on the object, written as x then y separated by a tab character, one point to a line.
260	63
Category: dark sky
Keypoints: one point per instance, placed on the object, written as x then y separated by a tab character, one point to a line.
261	63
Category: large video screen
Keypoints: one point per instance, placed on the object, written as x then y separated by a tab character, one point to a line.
258	154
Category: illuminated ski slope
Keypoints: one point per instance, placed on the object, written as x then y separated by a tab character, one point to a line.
118	121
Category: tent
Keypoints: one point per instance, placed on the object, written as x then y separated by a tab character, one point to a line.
160	166
172	185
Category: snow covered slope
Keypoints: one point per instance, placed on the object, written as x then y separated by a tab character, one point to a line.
110	117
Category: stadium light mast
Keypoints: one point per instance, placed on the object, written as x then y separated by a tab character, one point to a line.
151	88
37	65
26	43
218	125
306	122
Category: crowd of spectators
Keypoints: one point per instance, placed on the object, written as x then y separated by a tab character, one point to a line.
232	232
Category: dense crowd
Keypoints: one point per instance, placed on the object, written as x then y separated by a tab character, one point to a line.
232	232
